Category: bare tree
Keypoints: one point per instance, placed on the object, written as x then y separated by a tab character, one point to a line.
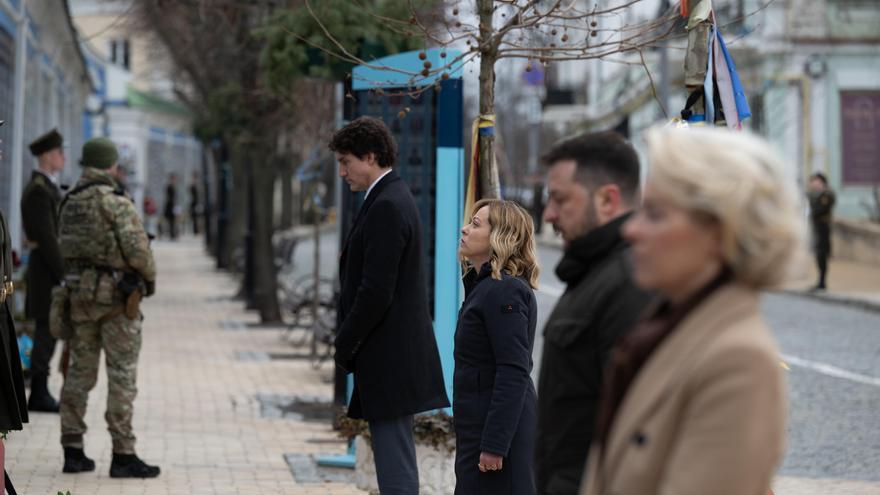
315	119
540	31
212	45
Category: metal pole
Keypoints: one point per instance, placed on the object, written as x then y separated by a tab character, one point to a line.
664	82
534	118
316	269
17	162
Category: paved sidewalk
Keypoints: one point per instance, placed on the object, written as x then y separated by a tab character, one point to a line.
197	413
852	283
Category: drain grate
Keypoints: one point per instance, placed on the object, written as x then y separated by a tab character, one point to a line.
265	326
322	441
306	471
231	325
289	356
251	356
301	408
262	357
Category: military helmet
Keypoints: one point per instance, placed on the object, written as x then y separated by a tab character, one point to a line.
99	153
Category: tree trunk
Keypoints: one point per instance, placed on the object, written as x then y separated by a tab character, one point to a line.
265	279
237	204
489	184
285	169
207	217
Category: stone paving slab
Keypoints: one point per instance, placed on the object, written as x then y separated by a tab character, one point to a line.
197	414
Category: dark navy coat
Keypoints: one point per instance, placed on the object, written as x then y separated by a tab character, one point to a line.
385	336
494	398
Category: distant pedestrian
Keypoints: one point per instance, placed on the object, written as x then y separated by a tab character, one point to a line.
493	394
110	267
821	199
13	409
170	212
195	207
593	185
694	399
39	214
386	337
150	211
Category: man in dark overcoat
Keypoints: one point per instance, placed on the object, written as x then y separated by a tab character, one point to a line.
821	199
592	182
39	214
386	336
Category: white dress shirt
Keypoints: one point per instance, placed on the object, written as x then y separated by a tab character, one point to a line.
376	182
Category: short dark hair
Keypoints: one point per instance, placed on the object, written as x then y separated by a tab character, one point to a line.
363	136
820	176
602	158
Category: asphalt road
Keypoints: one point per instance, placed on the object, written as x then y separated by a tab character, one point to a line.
834	382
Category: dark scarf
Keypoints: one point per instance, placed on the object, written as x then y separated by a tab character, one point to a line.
584	252
634	350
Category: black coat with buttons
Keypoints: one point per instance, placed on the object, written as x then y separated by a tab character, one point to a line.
386	336
39	215
493	395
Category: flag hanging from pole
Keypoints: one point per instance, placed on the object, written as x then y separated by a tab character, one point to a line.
483	125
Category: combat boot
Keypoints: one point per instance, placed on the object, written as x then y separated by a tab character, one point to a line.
40	399
131	466
75	461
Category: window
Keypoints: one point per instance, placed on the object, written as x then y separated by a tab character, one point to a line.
860	123
119	53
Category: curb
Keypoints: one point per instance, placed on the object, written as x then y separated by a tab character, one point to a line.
825	297
836	299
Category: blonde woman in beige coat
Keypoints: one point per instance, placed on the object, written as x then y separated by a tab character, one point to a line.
694	400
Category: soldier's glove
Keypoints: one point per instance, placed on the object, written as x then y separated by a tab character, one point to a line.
151	287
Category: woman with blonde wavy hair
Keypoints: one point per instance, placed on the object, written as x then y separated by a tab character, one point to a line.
694	399
493	395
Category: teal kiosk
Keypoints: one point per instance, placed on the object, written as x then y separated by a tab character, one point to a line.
427	122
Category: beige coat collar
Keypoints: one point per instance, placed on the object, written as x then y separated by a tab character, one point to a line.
673	358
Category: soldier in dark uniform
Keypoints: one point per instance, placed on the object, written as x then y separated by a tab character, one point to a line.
39	213
821	199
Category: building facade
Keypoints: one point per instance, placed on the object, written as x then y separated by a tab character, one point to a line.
811	70
134	95
44	84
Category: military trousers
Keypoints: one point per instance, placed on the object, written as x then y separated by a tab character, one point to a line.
120	338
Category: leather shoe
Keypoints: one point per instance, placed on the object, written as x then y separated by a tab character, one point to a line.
42	402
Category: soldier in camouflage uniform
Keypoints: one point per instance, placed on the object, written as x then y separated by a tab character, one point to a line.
103	242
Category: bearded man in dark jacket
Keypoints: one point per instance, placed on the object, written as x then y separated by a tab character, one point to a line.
593	183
